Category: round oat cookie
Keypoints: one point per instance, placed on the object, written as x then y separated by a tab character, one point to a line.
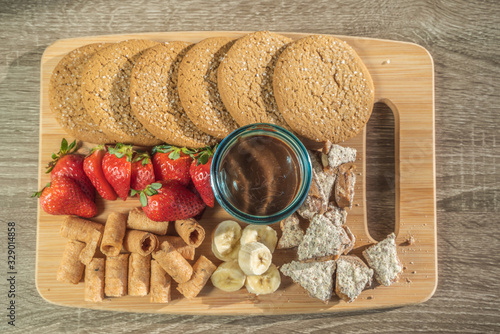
106	92
245	78
323	89
155	99
197	84
65	96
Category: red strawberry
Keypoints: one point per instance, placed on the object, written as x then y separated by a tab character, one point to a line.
92	165
117	168
169	200
200	174
63	196
66	163
172	163
142	171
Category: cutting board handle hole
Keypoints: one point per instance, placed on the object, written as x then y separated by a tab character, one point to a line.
380	172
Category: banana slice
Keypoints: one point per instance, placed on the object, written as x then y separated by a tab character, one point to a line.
254	258
261	233
225	240
266	283
228	277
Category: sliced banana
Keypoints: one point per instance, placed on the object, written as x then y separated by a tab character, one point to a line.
225	240
228	277
266	283
261	233
254	258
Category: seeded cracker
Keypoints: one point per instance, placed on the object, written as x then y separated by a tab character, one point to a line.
353	276
383	259
106	92
339	155
315	277
323	89
198	87
245	78
155	100
292	235
65	96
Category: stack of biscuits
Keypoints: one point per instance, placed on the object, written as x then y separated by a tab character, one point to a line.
144	92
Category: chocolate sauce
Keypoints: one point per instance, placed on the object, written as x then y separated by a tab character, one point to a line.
260	175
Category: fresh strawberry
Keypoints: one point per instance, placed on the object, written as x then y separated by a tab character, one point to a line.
92	165
168	201
63	196
117	168
200	174
67	163
172	163
142	171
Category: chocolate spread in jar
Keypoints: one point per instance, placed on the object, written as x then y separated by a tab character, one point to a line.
260	175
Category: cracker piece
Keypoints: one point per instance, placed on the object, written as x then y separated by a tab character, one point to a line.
138	220
106	92
184	249
160	284
323	89
143	243
198	90
202	270
383	259
155	99
115	275
336	215
323	240
139	269
94	280
352	238
114	232
245	78
315	277
344	185
190	231
339	155
292	234
71	268
173	263
65	96
353	276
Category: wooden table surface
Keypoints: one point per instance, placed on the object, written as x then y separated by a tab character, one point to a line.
462	37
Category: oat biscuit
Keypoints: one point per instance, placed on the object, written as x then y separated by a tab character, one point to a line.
155	100
323	89
106	92
65	96
198	90
245	78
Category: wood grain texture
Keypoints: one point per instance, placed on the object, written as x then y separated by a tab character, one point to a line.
402	74
463	38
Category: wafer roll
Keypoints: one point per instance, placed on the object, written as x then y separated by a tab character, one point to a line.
190	231
184	249
137	220
160	284
94	280
114	232
79	229
202	270
173	263
91	246
115	278
139	242
71	268
139	268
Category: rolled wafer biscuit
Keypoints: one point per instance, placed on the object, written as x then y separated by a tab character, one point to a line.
202	270
90	247
83	230
137	220
94	280
173	263
143	243
184	249
160	284
71	268
115	275
114	232
139	268
190	231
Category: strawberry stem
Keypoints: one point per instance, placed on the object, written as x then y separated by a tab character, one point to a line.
122	150
64	150
175	152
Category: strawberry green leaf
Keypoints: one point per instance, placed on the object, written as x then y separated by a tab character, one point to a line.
174	155
143	199
133	192
156	185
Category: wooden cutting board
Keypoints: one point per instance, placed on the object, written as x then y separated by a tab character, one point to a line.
403	75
